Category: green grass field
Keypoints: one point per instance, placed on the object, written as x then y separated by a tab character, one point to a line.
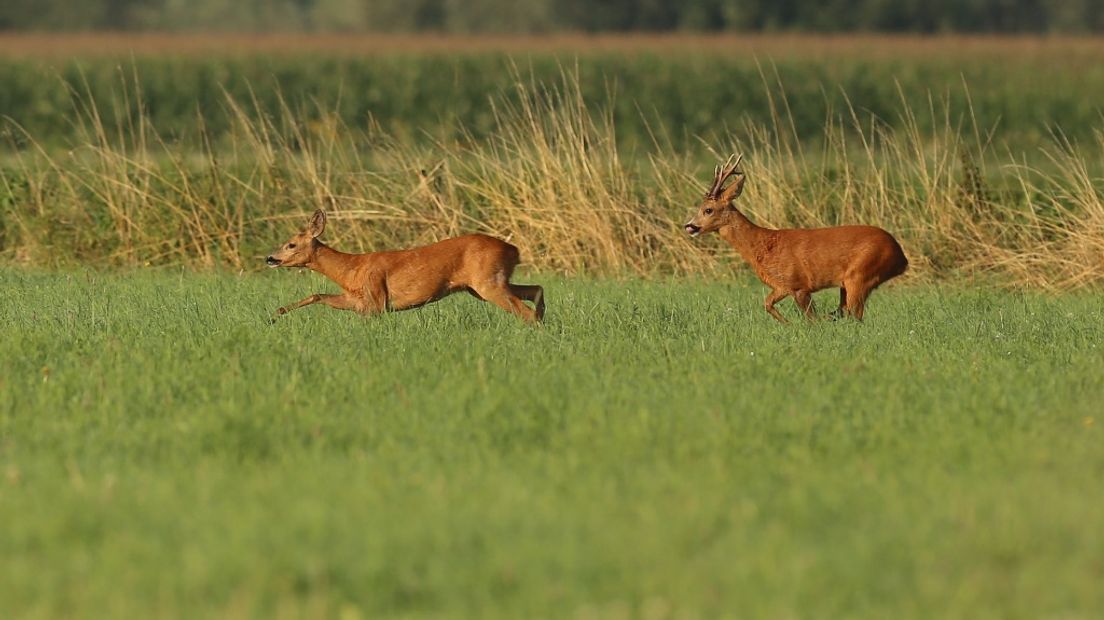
660	448
1026	90
656	450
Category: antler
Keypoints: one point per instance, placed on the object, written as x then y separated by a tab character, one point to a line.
722	173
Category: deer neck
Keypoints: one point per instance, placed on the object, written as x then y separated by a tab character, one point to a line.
743	235
333	264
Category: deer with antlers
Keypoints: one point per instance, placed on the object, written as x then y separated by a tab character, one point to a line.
402	279
800	261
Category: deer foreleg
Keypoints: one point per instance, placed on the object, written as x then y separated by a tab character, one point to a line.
804	301
840	312
338	302
775	297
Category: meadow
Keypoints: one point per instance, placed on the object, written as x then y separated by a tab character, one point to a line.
656	450
425	89
983	156
660	447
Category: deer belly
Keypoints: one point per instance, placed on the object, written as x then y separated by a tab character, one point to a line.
797	276
404	295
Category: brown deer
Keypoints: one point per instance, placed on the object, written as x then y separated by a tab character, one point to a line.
800	261
402	279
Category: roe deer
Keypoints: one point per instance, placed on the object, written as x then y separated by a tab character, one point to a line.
800	261
398	280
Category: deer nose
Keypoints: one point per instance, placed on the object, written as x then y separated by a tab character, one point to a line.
272	261
692	230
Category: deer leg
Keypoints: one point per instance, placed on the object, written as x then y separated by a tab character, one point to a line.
340	302
775	296
500	295
533	293
857	308
839	312
313	299
804	301
856	299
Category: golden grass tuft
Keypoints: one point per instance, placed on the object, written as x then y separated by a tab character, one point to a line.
552	181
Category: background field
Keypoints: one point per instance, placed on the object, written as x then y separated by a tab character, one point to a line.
982	155
423	88
659	450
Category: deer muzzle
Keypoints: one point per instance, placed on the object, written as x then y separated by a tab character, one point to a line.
692	229
272	261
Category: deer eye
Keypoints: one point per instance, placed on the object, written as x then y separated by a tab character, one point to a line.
709	211
291	246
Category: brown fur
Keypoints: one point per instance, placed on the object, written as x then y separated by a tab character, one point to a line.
402	279
798	262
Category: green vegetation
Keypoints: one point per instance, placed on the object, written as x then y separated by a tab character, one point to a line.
657	449
660	447
1025	90
554	177
552	15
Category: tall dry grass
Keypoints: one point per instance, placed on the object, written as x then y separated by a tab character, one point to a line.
551	180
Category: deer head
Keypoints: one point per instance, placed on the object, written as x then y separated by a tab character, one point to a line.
716	209
300	249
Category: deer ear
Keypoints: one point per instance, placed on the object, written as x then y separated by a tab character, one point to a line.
317	223
733	191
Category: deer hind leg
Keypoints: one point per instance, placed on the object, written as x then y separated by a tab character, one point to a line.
500	294
533	293
804	301
775	296
511	303
858	291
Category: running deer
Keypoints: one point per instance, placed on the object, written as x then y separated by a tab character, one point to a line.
399	280
800	261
